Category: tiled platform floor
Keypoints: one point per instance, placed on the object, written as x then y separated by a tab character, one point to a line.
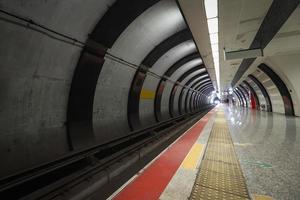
268	148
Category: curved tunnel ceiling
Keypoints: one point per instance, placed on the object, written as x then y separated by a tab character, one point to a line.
83	86
183	93
191	79
176	69
191	72
141	73
80	106
170	23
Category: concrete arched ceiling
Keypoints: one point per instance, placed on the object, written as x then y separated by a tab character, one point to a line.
149	29
279	47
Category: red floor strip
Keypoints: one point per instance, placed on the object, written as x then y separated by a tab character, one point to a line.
152	182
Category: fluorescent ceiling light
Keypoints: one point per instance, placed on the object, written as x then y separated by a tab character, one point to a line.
211	8
215	47
214	38
216	60
215	54
212	25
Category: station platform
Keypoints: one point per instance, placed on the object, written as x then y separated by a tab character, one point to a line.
231	153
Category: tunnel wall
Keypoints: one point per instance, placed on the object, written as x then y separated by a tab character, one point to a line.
286	66
151	83
149	29
252	93
36	74
176	96
168	86
278	91
259	94
276	99
38	71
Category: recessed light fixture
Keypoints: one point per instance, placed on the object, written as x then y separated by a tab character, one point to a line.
214	38
211	9
213	25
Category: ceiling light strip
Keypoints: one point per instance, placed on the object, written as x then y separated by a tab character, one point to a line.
211	9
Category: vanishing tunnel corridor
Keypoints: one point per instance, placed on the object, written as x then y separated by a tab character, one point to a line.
149	99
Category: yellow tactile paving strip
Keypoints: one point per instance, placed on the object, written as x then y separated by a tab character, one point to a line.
220	175
190	162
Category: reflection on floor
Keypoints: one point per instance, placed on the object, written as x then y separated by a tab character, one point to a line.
220	175
268	147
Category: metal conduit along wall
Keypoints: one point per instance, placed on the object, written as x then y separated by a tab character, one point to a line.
86	74
199	69
197	85
204	85
187	100
162	82
200	87
141	73
133	118
183	94
208	92
147	97
74	94
202	80
264	92
57	73
189	96
210	87
202	94
193	86
161	85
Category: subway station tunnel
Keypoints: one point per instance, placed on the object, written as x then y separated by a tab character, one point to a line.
150	99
